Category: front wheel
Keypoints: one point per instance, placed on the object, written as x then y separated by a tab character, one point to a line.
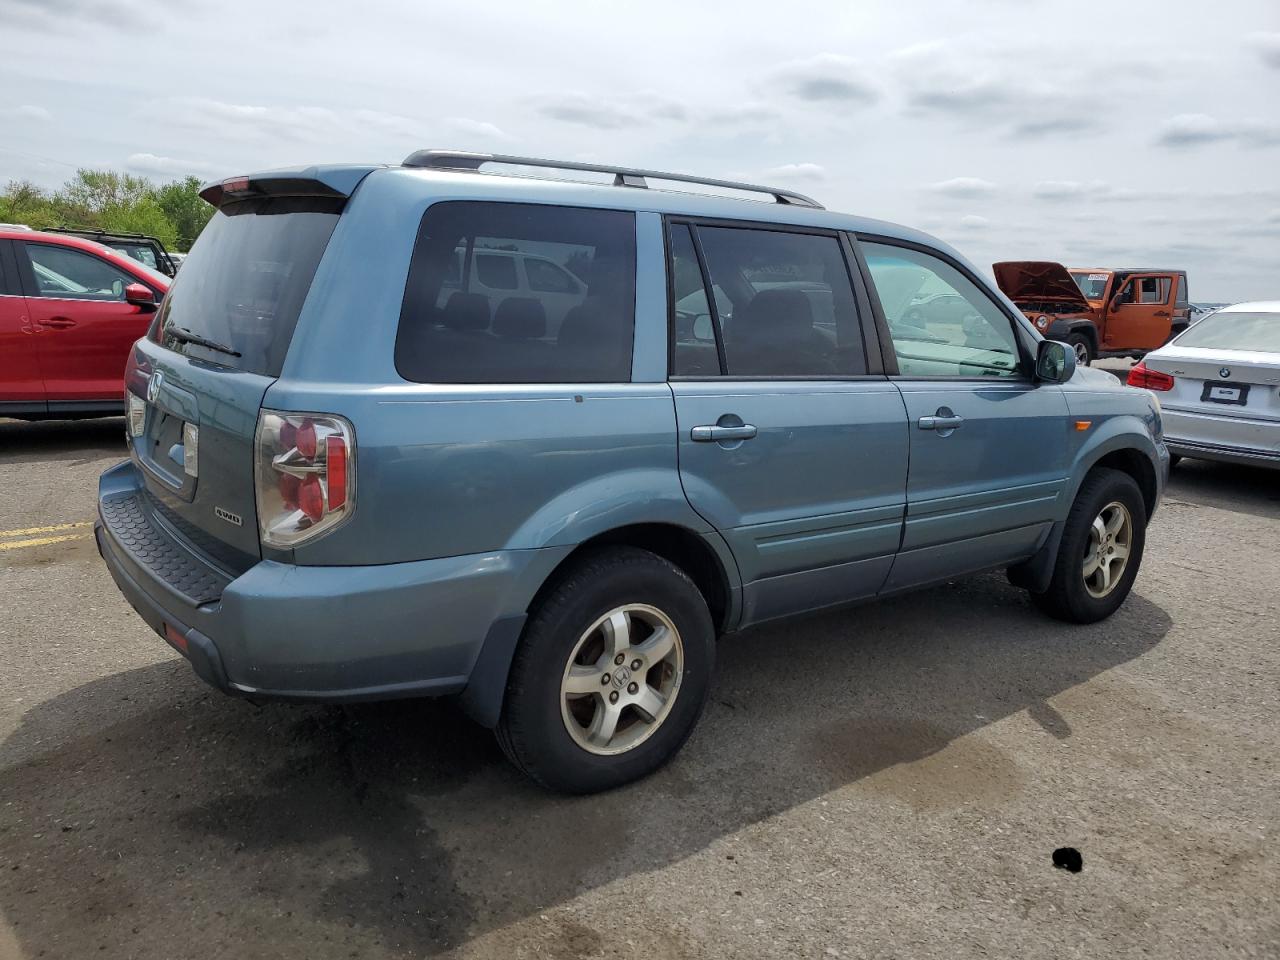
1083	347
1100	551
611	674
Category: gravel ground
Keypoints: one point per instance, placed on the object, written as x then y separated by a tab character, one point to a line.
889	781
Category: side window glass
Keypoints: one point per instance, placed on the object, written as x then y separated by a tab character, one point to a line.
545	277
1153	290
942	324
496	273
73	274
694	353
789	309
489	328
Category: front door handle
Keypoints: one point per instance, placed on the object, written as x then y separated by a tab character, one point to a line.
718	434
944	421
1161	313
58	323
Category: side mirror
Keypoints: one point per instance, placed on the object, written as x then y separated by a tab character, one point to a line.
1055	362
1115	304
140	295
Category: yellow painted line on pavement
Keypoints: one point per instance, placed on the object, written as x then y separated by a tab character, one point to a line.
41	541
29	531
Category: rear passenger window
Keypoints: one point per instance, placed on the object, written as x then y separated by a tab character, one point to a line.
783	305
496	273
545	277
1153	290
486	328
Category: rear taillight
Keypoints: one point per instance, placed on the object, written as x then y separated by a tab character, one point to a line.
137	409
305	475
1143	376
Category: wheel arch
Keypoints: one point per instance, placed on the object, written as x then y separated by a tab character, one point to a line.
1119	449
704	556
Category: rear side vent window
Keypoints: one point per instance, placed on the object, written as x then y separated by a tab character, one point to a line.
519	293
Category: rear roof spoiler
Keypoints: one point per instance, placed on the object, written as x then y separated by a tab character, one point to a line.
335	181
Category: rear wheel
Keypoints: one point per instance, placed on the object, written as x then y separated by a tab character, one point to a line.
611	675
1101	549
1083	347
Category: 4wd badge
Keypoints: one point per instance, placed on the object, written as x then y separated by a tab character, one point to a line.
228	516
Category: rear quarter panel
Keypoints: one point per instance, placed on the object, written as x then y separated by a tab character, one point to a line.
446	470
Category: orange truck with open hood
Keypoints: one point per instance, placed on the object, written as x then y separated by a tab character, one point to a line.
1099	311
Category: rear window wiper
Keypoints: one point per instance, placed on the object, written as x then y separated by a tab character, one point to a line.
183	335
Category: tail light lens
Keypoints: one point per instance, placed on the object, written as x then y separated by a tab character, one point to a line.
305	475
1143	376
137	409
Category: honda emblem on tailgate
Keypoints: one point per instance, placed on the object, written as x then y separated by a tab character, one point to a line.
154	385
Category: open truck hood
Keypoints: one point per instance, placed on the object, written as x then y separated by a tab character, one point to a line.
1023	280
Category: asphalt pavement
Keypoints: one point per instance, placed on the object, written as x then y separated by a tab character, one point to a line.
887	781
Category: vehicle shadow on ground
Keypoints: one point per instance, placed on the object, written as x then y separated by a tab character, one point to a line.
1241	489
144	814
23	442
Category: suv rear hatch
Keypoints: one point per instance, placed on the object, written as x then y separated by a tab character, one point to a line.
218	343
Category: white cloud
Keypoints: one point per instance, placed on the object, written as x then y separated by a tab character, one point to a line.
1069	189
797	171
26	111
1197	129
972	221
152	165
1268	47
963	187
476	128
826	78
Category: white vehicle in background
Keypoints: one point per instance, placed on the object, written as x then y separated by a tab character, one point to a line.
498	274
1219	386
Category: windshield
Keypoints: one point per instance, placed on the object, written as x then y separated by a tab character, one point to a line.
1228	330
1092	285
141	252
243	283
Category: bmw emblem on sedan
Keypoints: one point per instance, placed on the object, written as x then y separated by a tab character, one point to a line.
1225	373
153	386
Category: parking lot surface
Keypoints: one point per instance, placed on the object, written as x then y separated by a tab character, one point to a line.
886	781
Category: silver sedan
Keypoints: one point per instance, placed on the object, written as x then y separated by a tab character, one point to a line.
1219	386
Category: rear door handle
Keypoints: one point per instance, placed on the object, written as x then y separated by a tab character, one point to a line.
1161	313
718	434
56	322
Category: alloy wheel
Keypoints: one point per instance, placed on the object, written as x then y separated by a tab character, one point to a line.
621	679
1107	555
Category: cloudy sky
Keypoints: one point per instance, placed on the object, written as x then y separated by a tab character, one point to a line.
1122	132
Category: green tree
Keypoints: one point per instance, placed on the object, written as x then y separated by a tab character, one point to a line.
94	191
109	200
24	202
181	203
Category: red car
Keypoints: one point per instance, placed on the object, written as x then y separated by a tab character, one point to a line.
70	309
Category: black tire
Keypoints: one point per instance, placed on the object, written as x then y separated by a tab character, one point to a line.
1067	597
532	730
1083	347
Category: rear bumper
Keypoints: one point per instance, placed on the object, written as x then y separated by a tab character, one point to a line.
1215	436
315	633
1225	454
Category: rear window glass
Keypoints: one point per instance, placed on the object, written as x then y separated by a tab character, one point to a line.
244	282
470	317
1235	331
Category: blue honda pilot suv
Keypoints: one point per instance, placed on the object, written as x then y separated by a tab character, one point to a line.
450	428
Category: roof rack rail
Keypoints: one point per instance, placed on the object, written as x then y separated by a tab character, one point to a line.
622	176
